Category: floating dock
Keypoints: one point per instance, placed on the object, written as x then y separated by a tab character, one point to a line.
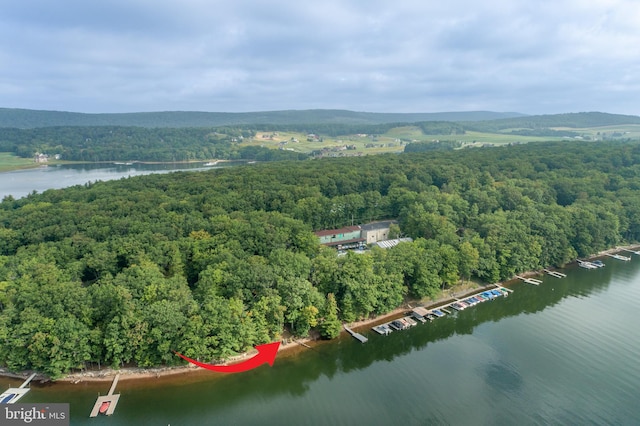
383	329
555	274
529	280
631	251
619	257
356	335
422	314
107	404
12	395
587	265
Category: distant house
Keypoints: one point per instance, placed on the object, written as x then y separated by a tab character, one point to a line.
349	237
356	237
40	158
377	231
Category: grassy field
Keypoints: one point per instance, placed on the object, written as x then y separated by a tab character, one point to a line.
395	139
392	141
631	131
8	161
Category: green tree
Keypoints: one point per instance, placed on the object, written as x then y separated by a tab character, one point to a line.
330	325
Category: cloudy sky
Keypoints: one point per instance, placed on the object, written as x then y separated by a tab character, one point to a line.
529	56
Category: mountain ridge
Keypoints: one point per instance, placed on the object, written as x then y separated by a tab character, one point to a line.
28	118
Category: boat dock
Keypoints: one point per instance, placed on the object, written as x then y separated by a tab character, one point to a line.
631	251
529	280
423	314
619	257
107	404
587	265
555	274
356	335
12	395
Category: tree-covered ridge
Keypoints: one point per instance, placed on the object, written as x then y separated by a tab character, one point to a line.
26	119
211	263
571	120
96	144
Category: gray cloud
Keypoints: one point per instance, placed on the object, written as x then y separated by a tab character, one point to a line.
413	56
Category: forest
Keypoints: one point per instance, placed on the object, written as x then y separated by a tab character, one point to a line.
109	142
212	263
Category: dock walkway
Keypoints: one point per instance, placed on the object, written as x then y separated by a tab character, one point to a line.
555	273
358	336
529	280
12	395
632	251
110	399
619	257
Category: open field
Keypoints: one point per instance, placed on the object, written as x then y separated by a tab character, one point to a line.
392	141
631	131
9	161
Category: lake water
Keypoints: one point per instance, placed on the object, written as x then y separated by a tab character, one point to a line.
565	352
22	182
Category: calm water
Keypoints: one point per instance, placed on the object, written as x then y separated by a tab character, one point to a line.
22	182
565	352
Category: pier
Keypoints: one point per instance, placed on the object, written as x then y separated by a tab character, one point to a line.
503	289
383	329
619	257
12	395
587	265
631	251
106	404
356	335
555	274
529	280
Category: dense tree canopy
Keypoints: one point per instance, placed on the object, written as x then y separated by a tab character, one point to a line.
212	263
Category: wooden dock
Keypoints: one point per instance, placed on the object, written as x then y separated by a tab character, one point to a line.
358	336
555	274
587	265
631	251
529	280
110	399
619	257
12	395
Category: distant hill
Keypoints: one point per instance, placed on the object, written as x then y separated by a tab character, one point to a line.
571	120
26	118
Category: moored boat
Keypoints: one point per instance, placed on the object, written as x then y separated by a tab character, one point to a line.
6	398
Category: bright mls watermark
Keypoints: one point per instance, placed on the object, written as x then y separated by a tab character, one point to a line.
34	414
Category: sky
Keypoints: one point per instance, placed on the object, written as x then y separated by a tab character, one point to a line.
527	56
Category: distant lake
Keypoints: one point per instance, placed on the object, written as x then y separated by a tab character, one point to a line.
562	353
20	183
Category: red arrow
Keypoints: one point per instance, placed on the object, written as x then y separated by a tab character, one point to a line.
266	353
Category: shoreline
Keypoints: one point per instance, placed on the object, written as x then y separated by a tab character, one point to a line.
15	168
288	346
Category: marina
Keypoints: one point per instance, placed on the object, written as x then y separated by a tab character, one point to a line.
422	314
13	395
